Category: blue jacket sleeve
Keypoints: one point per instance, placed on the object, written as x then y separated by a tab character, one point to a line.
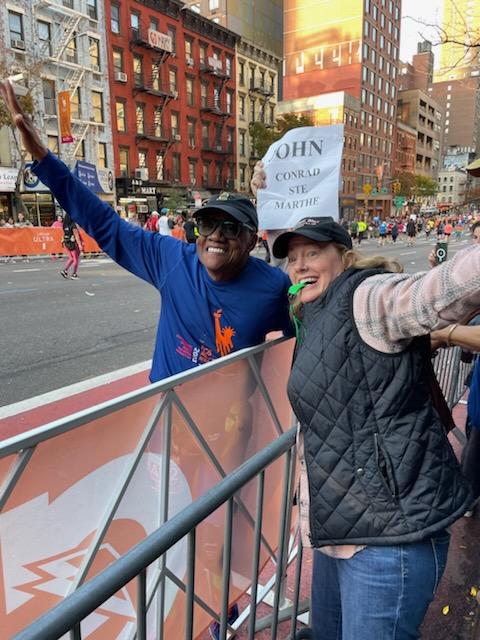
474	396
145	254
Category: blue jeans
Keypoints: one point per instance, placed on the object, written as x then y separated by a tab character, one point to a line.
381	593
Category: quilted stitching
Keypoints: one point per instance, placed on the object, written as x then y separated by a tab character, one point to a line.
343	393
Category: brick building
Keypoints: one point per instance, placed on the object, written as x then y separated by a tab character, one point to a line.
172	84
405	149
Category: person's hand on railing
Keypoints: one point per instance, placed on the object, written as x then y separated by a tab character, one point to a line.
258	180
30	137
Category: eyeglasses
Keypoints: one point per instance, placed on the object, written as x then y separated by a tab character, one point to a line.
230	229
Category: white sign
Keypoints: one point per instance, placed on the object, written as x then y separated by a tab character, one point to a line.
215	63
302	175
8	179
160	40
31	182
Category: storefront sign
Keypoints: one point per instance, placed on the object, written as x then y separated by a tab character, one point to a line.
8	179
303	177
87	173
32	182
160	40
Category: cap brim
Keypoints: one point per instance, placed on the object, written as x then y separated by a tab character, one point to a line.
231	211
474	168
280	246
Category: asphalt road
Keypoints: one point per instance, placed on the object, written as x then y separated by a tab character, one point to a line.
55	332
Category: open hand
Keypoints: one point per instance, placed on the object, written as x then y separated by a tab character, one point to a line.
30	138
258	180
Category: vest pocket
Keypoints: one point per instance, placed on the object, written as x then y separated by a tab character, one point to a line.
385	467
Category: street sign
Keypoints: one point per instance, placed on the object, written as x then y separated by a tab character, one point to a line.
399	201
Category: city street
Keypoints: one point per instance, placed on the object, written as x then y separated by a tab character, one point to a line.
57	332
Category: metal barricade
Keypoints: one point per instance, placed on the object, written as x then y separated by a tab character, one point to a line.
164	428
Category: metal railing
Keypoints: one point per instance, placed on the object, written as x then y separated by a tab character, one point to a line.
69	613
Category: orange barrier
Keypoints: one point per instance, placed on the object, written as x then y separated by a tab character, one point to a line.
34	241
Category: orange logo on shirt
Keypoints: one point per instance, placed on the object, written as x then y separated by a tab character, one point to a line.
223	335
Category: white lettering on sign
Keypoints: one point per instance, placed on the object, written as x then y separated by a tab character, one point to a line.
302	175
160	40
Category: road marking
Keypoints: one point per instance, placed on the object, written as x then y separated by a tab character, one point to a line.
73	389
408	253
17	291
23	270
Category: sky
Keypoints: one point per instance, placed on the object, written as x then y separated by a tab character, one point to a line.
429	11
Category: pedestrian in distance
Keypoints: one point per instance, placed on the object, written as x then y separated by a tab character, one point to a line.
379	481
151	223
73	243
411	233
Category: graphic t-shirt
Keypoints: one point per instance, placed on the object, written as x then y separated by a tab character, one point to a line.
200	319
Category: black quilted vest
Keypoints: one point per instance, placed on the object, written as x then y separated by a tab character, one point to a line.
380	467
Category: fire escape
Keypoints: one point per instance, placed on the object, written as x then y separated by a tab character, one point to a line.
153	84
68	25
221	145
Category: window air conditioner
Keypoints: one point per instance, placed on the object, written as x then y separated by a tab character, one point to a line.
174	94
177	137
95	68
120	76
141	173
17	44
189	62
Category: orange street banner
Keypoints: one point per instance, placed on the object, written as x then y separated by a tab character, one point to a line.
66	136
60	503
34	241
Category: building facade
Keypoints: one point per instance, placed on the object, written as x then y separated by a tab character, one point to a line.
405	149
173	104
258	21
452	187
257	97
359	56
61	47
420	112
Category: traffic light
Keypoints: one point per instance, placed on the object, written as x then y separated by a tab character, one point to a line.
396	186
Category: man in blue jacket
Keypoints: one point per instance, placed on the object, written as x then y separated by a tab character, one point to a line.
216	298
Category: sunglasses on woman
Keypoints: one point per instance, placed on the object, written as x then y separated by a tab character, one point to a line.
230	229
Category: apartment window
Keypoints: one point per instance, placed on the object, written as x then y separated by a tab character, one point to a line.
92	9
71	50
241	72
157	123
94	53
216	97
123	161
102	160
52	143
191	133
115	18
135	22
228	66
252	110
243	174
241	107
140	117
45	36
218	173
142	158
206	172
172	32
242	137
97	105
138	71
174	124
203	53
80	151
230	134
49	97
188	50
192	170
117	56
15	26
218	135
203	94
121	116
159	165
172	80
153	24
176	166
189	87
213	5
75	105
272	114
229	95
205	135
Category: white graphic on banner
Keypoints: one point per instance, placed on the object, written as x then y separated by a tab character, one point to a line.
303	177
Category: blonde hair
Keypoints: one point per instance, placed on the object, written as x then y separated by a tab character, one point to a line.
351	258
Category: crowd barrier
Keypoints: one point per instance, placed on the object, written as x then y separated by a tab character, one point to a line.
32	241
79	493
137	519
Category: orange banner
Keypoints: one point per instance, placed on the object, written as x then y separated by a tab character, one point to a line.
34	241
61	499
66	136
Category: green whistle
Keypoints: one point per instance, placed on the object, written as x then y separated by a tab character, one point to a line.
295	288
